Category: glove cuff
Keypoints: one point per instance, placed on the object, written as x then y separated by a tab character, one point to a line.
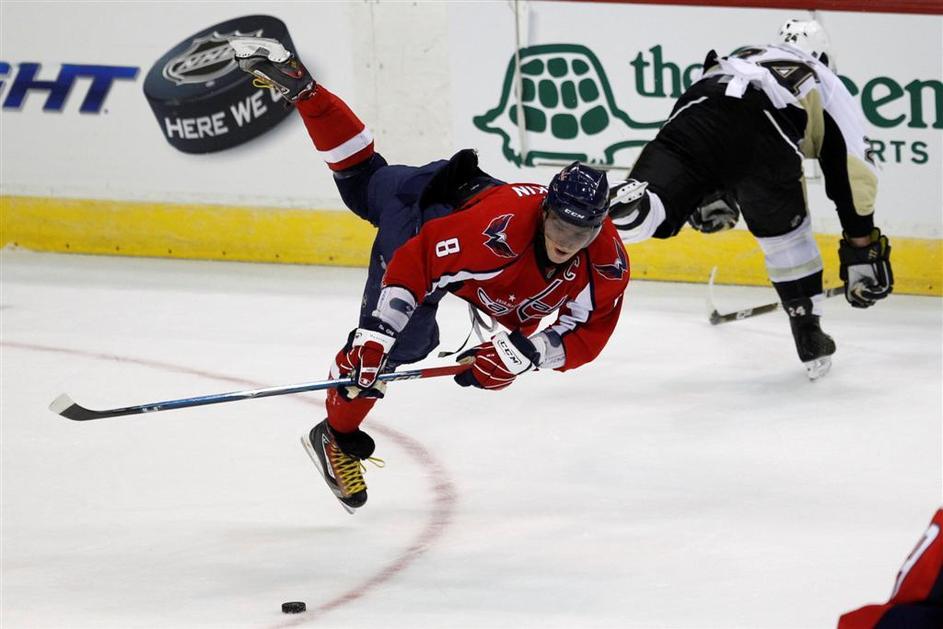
878	249
515	351
364	335
874	235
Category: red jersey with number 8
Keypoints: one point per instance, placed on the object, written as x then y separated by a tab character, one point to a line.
487	255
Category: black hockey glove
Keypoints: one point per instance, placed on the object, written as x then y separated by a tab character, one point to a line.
866	271
717	212
626	197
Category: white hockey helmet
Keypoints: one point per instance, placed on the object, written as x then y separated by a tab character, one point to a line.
808	36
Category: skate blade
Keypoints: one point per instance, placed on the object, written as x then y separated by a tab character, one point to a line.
317	466
246	47
817	368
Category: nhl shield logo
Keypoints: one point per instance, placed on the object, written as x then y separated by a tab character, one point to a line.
206	59
201	101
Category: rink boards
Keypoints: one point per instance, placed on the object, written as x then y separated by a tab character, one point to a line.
88	167
298	236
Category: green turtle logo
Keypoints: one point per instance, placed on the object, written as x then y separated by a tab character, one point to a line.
567	104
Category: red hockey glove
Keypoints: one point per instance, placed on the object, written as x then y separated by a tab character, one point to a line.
364	361
495	364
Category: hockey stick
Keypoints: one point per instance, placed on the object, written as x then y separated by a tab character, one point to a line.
63	405
717	318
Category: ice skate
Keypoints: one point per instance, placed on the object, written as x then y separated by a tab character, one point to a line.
339	458
274	66
814	346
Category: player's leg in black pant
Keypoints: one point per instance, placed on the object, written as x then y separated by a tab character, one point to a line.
771	194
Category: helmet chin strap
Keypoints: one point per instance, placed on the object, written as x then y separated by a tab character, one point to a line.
540	246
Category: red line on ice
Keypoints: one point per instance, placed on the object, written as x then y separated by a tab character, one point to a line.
443	501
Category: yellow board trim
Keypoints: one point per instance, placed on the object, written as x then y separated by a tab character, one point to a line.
170	230
690	256
213	232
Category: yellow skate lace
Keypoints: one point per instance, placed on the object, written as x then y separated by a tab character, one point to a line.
261	83
349	470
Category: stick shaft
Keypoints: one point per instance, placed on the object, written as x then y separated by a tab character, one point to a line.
63	405
718	318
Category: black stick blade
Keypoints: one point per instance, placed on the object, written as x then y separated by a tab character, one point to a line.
63	405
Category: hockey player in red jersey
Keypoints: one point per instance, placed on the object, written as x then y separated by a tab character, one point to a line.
518	252
917	598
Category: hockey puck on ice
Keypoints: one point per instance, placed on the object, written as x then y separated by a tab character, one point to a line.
202	101
293	607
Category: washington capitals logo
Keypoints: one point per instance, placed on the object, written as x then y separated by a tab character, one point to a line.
536	308
619	266
497	239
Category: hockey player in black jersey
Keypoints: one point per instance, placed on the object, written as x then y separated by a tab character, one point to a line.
735	142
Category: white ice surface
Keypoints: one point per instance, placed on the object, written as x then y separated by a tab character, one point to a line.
690	477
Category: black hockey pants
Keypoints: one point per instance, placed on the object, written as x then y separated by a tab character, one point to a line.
741	145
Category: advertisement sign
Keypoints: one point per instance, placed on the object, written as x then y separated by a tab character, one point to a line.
138	116
201	99
133	101
597	88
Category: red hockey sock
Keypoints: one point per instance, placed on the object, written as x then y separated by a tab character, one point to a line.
346	415
338	134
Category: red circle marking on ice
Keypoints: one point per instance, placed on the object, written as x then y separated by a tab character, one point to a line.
443	502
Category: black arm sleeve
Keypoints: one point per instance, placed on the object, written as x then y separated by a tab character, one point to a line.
834	161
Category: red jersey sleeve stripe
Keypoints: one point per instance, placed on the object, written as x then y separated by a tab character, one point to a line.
358	157
348	148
